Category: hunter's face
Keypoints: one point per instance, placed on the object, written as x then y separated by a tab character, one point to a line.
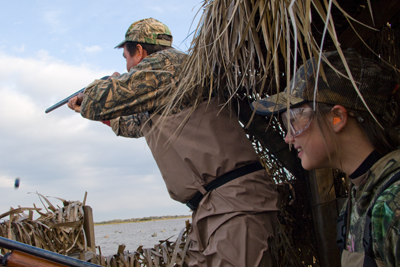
131	61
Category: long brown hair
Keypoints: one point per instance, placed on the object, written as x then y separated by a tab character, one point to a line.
384	137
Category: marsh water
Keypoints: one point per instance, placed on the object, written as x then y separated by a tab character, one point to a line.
133	235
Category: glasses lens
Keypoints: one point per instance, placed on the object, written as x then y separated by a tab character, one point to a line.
299	120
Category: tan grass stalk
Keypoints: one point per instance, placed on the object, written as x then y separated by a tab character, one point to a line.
239	45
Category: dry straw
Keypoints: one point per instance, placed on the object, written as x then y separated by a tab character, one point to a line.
249	45
60	230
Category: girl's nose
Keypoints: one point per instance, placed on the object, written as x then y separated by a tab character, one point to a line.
289	139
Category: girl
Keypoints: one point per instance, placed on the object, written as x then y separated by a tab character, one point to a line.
340	132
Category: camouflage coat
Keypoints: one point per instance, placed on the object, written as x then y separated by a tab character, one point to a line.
385	221
130	126
143	89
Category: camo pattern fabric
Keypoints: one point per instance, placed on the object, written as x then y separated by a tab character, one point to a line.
130	126
143	89
385	221
146	31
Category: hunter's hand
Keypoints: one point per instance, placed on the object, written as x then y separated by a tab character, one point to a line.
75	103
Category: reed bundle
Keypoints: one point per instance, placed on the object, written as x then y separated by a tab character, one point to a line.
58	229
61	230
165	254
254	47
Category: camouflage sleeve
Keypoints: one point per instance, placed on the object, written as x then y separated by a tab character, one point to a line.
140	90
386	226
129	126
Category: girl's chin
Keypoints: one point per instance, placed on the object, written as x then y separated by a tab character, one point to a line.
306	167
310	166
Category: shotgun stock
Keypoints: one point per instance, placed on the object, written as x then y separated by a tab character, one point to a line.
25	255
65	100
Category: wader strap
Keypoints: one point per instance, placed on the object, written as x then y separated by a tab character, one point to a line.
223	179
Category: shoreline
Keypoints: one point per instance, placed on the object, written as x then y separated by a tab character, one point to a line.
145	219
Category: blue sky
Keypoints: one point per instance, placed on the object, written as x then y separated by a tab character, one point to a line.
48	50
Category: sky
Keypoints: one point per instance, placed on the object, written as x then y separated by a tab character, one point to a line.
50	49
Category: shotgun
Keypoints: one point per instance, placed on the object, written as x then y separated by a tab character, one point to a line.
25	255
65	100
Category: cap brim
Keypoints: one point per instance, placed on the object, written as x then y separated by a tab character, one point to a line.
120	44
276	104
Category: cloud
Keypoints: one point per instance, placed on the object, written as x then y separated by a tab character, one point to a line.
43	55
19	49
44	77
63	155
92	49
53	19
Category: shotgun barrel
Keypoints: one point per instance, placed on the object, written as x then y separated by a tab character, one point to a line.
65	100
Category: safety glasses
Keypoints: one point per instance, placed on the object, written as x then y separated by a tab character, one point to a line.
299	120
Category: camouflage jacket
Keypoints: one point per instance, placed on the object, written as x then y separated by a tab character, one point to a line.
143	89
129	126
385	221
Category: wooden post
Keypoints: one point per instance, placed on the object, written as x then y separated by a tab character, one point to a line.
30	217
88	227
9	233
325	213
84	199
9	230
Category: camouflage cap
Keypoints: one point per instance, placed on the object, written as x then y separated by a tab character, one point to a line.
376	83
146	31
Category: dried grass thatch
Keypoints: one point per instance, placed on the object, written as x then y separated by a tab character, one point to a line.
60	230
254	47
164	254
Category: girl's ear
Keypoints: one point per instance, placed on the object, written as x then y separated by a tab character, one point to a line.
339	118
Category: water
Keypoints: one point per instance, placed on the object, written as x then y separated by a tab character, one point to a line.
133	235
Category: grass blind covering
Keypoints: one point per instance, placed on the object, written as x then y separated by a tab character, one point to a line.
60	229
255	46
